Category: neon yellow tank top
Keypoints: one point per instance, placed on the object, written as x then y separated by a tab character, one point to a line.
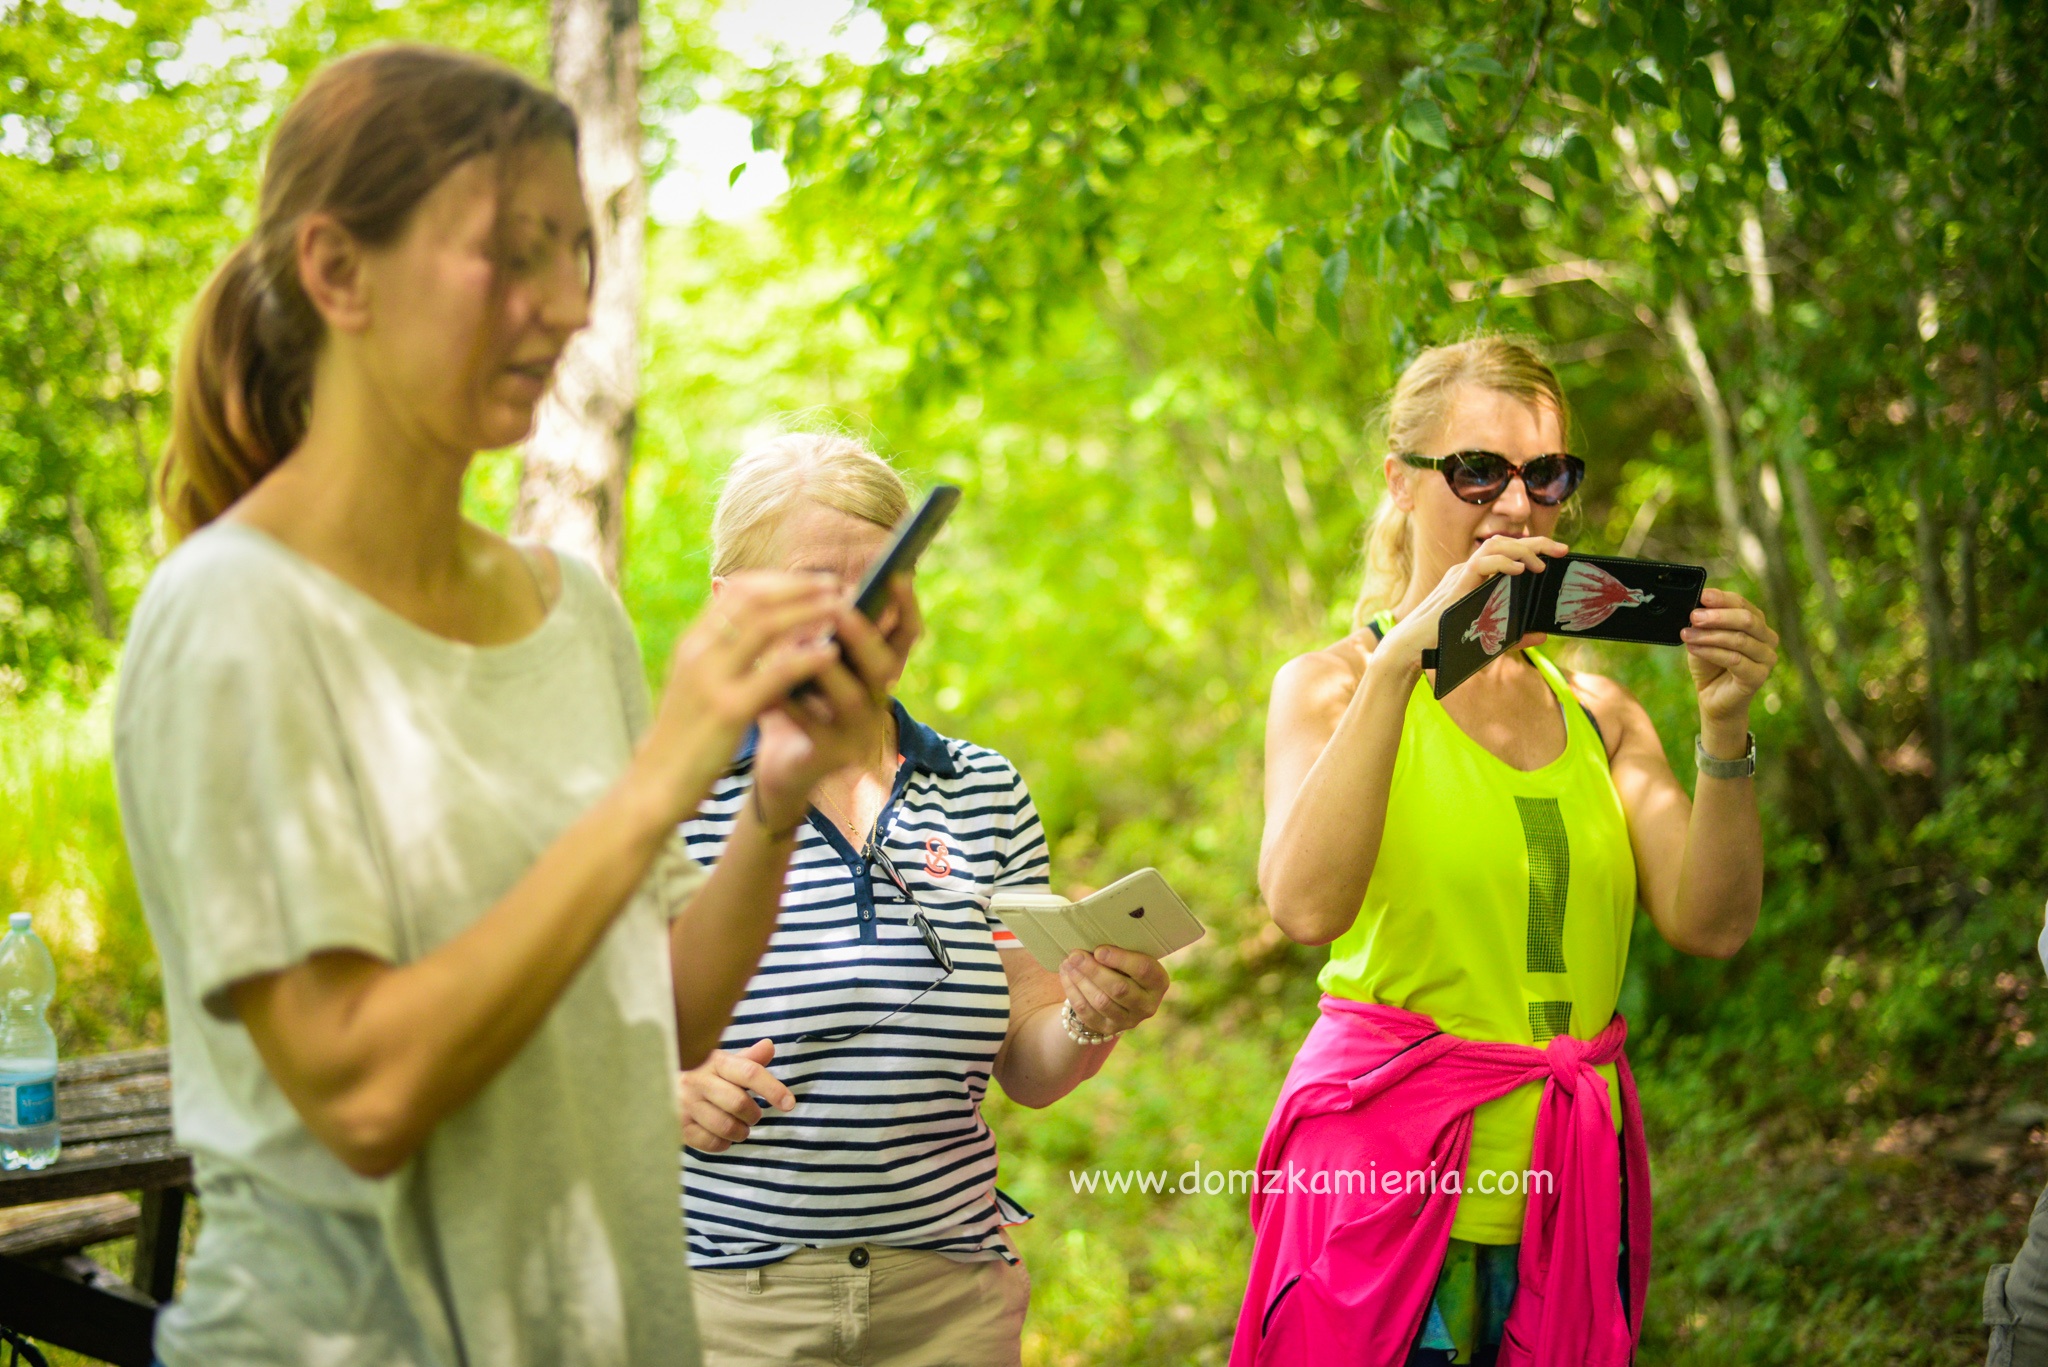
1500	906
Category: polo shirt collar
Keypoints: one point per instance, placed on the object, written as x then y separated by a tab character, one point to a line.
921	747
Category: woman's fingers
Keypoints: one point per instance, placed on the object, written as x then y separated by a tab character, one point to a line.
782	668
1084	994
908	624
1123	995
717	1127
1751	672
867	653
752	1077
1527	550
1144	970
842	694
753	612
1739	641
719	1094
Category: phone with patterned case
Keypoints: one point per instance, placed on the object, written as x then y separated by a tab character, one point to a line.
1597	597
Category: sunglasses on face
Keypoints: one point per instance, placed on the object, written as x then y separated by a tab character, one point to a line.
1482	476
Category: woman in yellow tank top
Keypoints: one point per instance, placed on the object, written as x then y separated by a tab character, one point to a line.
1478	860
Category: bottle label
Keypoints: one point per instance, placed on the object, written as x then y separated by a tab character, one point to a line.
23	1104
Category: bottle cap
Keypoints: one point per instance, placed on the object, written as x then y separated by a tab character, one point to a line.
18	920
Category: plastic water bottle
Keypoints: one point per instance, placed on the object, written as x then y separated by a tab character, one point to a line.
28	1049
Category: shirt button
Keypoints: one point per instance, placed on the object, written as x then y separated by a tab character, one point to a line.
859	1257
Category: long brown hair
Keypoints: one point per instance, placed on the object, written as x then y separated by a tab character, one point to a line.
1414	412
368	138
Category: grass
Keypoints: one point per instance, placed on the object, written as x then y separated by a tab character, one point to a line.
1792	1227
62	859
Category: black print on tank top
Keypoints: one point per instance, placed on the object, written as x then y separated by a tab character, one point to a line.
1550	882
1548	1020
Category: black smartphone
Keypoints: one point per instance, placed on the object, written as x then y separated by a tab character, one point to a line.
913	534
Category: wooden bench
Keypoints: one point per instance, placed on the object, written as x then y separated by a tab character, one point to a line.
56	1228
115	1110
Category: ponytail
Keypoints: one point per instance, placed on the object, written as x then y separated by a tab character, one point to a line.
1389	561
367	139
238	404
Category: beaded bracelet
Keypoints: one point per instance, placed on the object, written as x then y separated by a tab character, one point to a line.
1079	1033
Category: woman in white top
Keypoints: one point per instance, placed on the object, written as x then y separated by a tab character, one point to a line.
399	813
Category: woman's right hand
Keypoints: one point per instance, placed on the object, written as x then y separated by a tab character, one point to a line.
1417	631
716	1098
768	632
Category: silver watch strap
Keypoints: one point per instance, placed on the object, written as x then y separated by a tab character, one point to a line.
1710	767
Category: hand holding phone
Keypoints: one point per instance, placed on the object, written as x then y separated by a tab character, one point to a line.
1595	596
900	556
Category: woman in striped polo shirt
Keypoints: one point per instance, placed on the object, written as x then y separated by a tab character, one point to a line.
855	1217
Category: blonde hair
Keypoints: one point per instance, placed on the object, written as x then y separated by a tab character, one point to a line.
828	468
1414	413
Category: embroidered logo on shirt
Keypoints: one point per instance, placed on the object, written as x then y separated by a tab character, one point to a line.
935	862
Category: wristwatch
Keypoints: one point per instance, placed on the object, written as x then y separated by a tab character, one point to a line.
1710	767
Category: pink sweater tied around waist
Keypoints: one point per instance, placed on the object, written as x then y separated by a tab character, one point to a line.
1343	1271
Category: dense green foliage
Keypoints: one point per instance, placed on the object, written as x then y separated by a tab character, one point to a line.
1136	274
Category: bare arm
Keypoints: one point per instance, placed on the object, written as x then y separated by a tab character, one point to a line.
1699	861
1331	739
1332	734
716	941
1113	990
373	1055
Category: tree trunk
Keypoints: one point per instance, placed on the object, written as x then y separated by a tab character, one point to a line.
572	490
1934	611
88	547
1713	410
1865	803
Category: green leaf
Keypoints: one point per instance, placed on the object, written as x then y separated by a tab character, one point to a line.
1470	59
1266	300
1424	122
1669	36
1579	155
1649	90
1330	293
1585	83
732	177
1393	150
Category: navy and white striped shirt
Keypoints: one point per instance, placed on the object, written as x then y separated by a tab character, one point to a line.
886	1144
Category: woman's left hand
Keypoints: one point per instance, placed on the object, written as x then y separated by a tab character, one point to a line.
804	739
1731	650
1113	989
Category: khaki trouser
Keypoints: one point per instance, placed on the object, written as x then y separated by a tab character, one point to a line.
863	1306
